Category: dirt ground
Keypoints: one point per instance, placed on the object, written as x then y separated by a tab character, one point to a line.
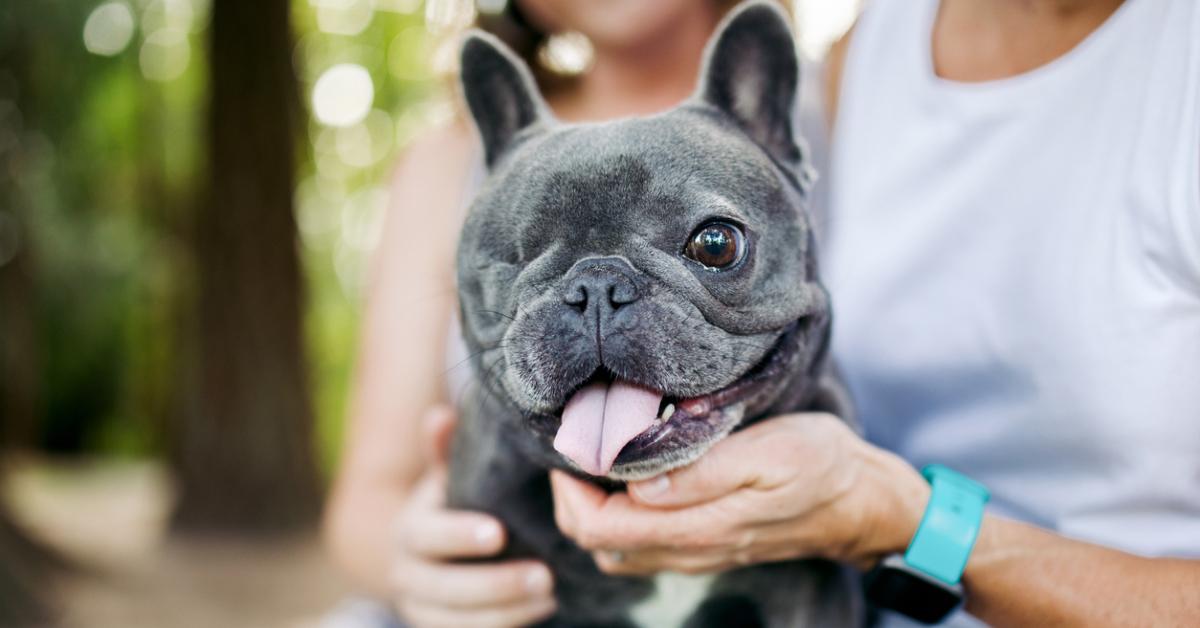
109	517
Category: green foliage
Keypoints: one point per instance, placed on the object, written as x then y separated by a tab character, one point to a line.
107	171
342	192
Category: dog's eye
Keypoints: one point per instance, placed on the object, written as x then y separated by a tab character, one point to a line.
716	245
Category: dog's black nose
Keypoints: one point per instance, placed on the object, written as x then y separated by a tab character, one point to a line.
606	283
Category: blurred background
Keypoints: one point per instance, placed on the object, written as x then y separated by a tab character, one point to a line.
190	191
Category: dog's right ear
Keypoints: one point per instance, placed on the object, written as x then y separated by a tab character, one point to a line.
751	74
500	92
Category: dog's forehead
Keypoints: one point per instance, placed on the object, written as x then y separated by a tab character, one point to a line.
682	156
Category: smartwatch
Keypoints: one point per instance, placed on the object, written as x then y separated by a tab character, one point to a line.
924	584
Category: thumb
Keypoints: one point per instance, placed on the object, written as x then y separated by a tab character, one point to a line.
438	425
730	465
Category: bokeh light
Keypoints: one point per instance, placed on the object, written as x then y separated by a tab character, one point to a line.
343	95
314	214
165	54
161	14
566	53
398	6
367	143
108	29
343	17
362	219
443	16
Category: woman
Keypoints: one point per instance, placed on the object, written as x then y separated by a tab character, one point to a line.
385	524
1013	251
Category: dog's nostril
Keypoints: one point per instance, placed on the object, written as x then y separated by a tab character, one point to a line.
617	295
576	297
621	294
605	286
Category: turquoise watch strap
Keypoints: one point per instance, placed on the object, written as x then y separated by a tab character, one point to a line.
951	523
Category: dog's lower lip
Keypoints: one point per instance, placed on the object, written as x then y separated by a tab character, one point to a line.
694	408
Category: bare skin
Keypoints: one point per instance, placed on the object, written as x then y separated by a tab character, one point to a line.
985	40
827	493
386	524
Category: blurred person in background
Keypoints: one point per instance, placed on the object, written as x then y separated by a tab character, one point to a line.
1012	241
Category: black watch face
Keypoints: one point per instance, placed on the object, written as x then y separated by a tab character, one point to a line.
901	589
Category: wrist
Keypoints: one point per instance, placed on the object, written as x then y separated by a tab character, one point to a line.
896	508
925	582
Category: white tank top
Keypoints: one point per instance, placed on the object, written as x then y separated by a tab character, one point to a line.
1015	269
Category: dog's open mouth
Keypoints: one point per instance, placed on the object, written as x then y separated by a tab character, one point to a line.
613	422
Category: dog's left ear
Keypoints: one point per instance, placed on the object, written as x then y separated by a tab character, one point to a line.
751	74
500	92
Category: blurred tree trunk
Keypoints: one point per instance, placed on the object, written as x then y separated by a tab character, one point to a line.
243	446
18	335
23	576
24	566
19	365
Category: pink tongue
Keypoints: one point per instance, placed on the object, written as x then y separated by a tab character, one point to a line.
601	419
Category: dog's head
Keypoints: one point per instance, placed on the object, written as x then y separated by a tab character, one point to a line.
638	288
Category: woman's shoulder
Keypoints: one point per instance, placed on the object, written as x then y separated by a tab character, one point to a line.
433	177
444	152
429	189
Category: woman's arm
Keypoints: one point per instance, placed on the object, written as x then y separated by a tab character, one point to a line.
1020	575
387	523
401	356
804	485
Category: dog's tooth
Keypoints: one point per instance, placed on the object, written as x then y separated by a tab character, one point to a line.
667	412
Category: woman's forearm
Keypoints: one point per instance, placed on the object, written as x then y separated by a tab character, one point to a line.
359	534
1019	575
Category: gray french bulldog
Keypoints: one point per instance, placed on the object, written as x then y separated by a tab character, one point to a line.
631	292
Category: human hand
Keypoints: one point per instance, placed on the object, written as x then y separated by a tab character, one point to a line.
795	486
431	588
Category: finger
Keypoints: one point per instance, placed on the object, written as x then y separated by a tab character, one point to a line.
448	534
474	586
598	521
733	463
424	615
568	492
582	508
430	490
438	424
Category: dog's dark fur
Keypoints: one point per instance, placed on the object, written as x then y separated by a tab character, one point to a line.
615	203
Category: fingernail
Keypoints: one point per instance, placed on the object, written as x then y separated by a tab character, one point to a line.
537	580
653	488
487	535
